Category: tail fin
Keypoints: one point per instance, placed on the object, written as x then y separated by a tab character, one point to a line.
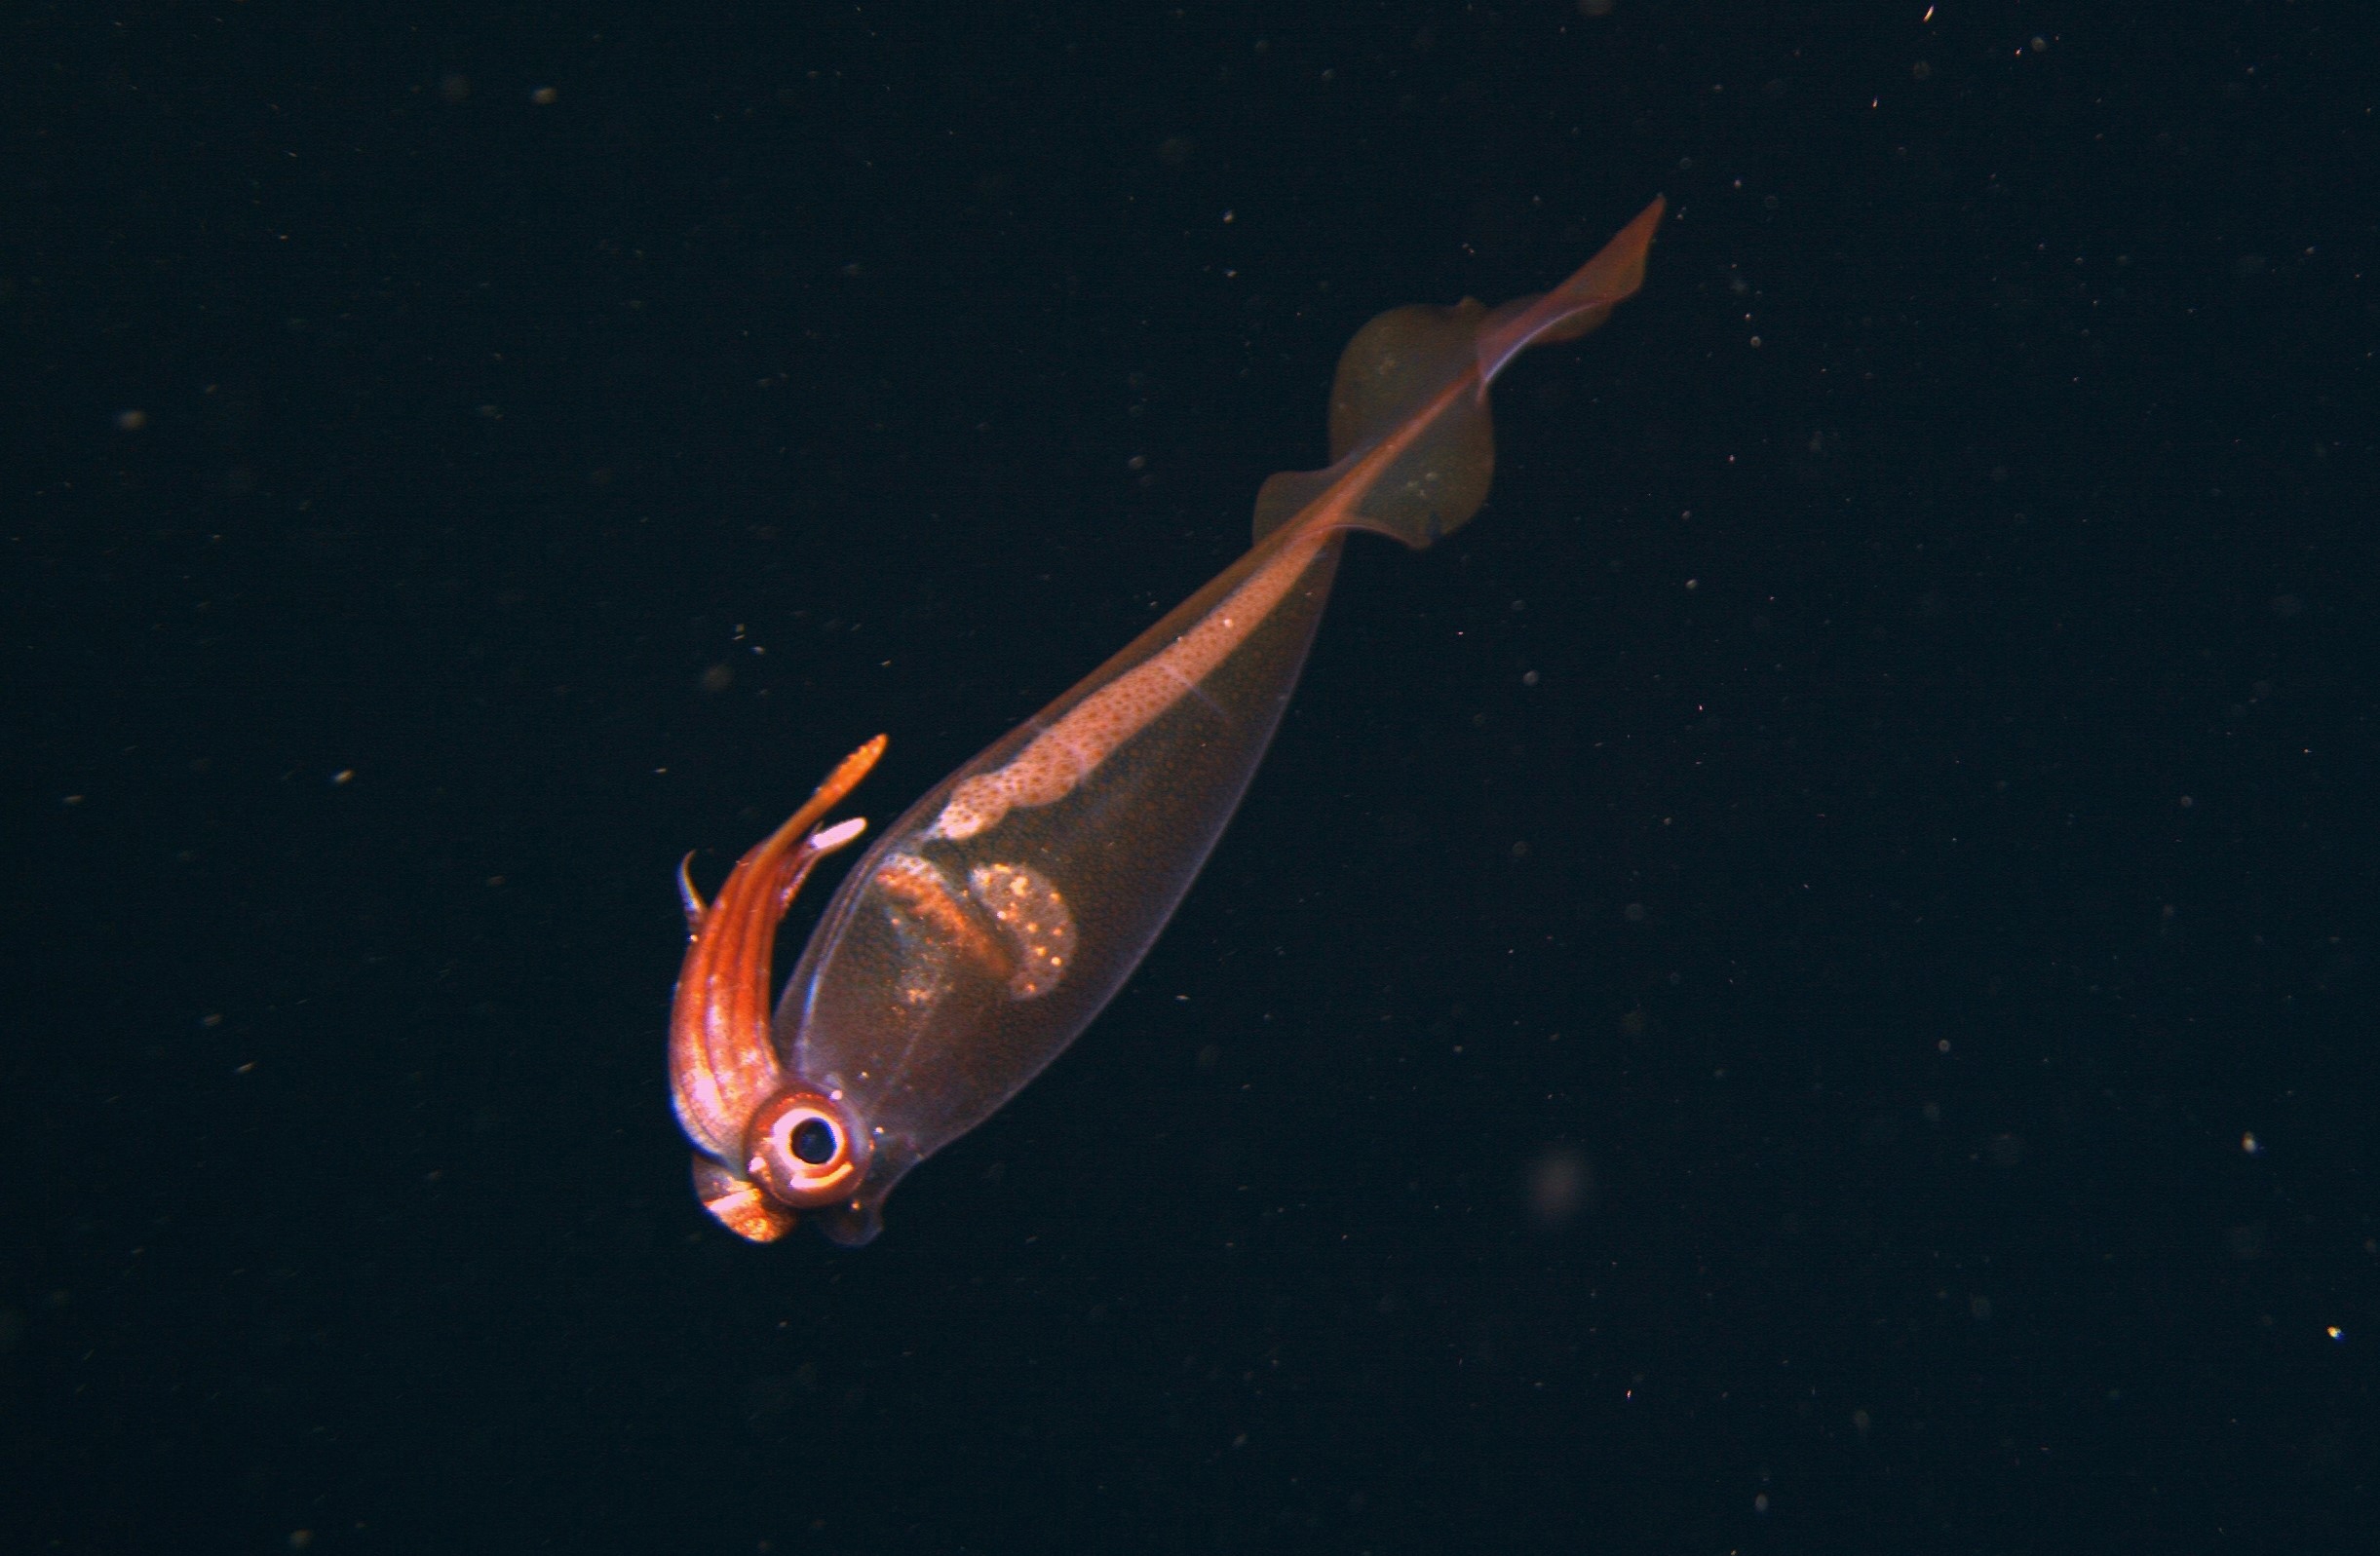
1417	378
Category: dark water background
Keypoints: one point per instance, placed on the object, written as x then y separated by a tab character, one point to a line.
1871	1049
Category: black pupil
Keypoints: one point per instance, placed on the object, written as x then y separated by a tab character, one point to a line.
814	1141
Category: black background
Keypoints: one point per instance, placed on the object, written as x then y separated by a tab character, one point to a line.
1923	900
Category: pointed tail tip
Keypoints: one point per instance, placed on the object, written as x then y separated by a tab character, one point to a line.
1577	305
1617	269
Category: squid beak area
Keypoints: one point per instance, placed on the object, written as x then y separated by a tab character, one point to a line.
738	1204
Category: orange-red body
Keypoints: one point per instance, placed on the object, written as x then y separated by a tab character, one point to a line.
987	927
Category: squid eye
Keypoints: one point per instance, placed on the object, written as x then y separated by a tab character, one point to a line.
814	1141
802	1149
